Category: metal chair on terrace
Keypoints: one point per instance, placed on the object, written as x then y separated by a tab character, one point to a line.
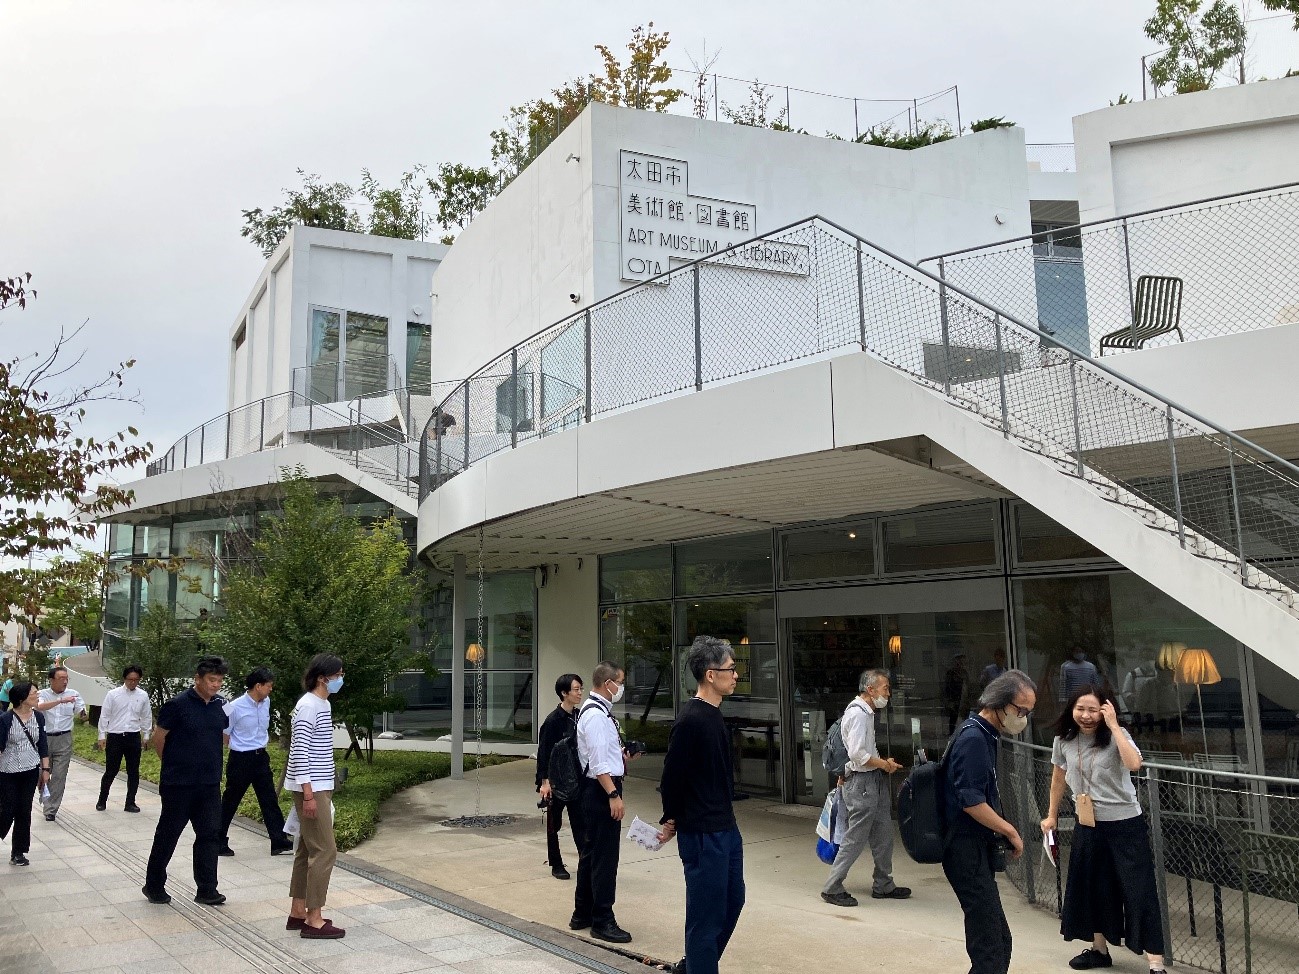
1156	311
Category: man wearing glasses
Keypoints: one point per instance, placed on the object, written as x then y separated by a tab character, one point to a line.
600	751
697	783
977	835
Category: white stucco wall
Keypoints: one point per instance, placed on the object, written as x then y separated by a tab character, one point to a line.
333	269
1174	150
558	228
568	623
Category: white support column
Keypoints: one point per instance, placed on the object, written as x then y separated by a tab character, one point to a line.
459	607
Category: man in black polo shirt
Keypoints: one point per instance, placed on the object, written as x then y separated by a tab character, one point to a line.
698	777
978	837
189	741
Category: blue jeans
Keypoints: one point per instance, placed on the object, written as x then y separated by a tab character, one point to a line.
714	866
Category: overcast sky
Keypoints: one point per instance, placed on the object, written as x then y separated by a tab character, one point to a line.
136	132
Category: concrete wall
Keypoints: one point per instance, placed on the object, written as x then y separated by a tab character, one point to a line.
333	269
557	228
568	626
1174	150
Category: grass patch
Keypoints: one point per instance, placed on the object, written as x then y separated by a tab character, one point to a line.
356	804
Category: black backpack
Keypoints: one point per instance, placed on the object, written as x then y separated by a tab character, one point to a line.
922	809
565	771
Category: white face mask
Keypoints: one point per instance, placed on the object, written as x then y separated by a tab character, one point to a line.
1013	723
879	703
617	694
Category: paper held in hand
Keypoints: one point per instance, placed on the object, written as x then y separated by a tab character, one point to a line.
644	835
1052	847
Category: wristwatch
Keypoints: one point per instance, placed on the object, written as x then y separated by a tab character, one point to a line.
611	795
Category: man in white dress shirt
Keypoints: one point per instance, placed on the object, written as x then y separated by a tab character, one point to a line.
249	764
600	752
60	705
125	722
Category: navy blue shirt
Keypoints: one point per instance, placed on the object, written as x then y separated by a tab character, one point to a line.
972	775
192	750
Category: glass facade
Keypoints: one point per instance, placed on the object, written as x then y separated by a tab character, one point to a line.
943	599
348	357
419	364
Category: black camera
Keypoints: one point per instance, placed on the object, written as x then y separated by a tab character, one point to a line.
997	849
634	747
543	803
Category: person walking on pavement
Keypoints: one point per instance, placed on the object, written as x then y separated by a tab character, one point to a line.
125	721
561	722
249	763
189	740
977	834
310	776
60	706
24	767
866	796
697	783
601	755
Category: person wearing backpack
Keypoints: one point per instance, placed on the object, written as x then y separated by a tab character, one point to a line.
866	796
977	835
561	723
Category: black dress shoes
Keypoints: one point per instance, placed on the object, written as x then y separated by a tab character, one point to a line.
576	922
612	933
101	806
281	847
210	899
162	898
132	807
559	872
225	850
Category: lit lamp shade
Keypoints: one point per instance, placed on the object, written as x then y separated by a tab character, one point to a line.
1170	654
895	645
744	640
1197	667
474	654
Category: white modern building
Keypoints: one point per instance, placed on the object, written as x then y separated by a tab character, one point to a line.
841	404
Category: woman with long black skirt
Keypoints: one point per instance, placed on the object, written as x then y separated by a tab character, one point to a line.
1110	896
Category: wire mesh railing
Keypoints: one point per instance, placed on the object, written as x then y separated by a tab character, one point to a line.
730	314
1226	850
1051	157
1232	256
367	432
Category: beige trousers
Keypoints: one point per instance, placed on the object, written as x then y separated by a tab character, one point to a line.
313	860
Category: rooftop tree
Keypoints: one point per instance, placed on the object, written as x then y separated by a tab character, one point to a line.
1201	41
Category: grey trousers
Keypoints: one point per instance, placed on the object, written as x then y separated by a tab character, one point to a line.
60	759
867	802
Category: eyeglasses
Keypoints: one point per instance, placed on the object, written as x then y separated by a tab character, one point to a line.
1021	711
724	669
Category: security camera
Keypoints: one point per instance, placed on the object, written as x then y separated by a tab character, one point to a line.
575	297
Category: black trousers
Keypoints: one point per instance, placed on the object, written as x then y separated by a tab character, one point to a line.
555	819
199	805
116	747
968	869
244	768
597	863
16	791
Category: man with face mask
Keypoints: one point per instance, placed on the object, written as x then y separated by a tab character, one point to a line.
604	762
976	831
866	796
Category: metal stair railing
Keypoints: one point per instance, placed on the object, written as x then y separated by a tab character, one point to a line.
728	315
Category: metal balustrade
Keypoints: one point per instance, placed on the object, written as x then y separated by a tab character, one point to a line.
1226	850
1220	496
1051	157
1235	257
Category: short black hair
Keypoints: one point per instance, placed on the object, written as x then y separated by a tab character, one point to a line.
321	665
211	664
260	675
56	669
131	668
565	683
706	653
18	693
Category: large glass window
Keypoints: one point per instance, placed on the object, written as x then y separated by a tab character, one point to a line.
636	576
419	364
842	551
1278	712
509	641
1040	539
639	637
741	563
323	357
1159	658
957	538
365	360
120	539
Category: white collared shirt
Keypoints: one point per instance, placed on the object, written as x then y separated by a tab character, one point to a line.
58	719
857	726
125	712
250	723
599	747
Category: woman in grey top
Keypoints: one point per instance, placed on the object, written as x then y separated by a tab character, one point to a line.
24	767
1110	895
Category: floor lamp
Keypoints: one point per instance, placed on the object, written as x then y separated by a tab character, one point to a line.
1197	666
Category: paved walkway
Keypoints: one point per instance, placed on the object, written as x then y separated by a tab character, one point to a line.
78	907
